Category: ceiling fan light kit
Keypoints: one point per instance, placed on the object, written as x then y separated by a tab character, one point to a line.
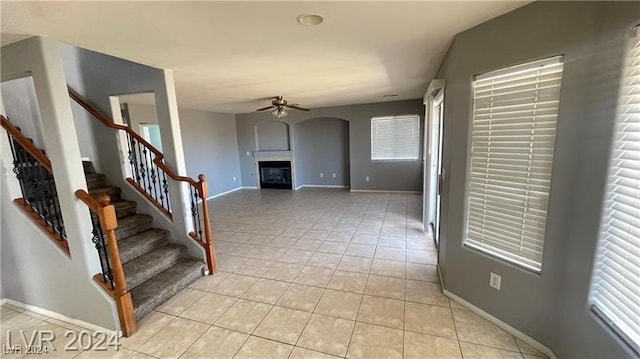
280	112
279	108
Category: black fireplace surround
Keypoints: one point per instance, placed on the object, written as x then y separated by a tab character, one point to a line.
275	174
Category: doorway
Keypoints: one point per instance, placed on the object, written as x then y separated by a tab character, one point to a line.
436	166
434	172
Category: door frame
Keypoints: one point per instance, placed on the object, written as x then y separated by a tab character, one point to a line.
434	91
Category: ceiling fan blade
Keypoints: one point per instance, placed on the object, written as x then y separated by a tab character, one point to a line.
266	108
297	108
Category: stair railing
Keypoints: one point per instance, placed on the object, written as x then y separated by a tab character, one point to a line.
112	278
35	175
150	174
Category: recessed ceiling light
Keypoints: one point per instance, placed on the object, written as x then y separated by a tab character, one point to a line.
310	19
391	95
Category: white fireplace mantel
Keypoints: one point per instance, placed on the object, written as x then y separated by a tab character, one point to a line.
274	156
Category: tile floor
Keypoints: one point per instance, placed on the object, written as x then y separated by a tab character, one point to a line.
313	274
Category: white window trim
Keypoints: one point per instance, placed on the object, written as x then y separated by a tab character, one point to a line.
417	158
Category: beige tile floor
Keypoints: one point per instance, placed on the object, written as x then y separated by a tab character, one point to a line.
314	274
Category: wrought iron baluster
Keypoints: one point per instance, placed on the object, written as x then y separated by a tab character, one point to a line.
38	189
147	161
153	178
194	211
57	213
143	170
132	157
165	188
17	169
101	246
32	196
46	195
195	193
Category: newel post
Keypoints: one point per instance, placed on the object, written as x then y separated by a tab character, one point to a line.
122	296
209	247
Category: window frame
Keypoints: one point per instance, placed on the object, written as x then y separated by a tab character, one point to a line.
633	40
495	255
418	137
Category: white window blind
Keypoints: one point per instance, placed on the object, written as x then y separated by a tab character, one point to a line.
395	137
616	284
512	140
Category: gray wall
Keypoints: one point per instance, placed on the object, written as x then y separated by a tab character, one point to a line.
210	144
211	148
385	176
139	114
272	136
21	107
322	146
550	307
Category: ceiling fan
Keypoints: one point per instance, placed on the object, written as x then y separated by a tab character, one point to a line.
280	106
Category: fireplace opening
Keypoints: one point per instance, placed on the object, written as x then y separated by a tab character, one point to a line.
275	174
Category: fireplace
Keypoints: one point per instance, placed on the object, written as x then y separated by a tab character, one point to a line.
275	174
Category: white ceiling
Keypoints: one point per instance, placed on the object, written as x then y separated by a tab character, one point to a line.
232	56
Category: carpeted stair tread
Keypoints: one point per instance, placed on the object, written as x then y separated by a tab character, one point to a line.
131	225
165	285
142	243
149	265
125	208
112	191
96	180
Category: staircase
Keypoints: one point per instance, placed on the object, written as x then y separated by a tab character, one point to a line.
155	269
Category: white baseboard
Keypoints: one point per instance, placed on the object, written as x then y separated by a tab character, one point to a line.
57	316
223	193
383	191
248	187
511	330
320	186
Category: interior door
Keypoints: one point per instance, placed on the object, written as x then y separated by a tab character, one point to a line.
437	171
433	173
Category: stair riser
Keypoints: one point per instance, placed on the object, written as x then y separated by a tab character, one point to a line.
140	275
122	233
176	279
143	248
97	183
120	213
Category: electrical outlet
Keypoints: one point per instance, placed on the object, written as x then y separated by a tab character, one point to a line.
366	178
334	175
234	178
248	153
495	280
322	175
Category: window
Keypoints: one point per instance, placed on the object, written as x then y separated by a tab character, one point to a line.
395	137
512	141
151	133
615	290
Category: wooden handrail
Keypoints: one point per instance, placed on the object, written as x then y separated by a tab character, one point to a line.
200	185
105	121
106	212
26	143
